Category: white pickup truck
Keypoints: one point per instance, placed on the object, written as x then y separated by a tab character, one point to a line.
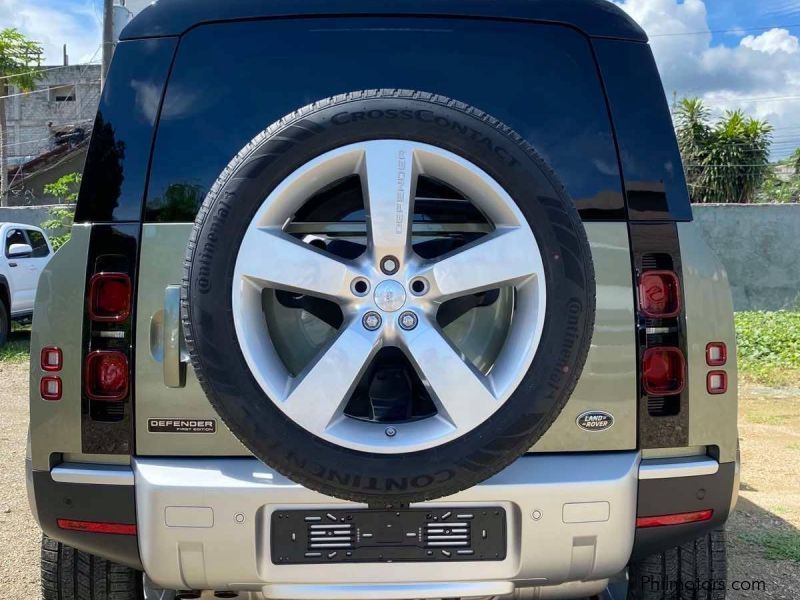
25	252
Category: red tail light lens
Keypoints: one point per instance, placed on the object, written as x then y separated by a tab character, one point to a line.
677	519
663	371
110	297
106	376
659	294
716	354
717	382
51	358
50	388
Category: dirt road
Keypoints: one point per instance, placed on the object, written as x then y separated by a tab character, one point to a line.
766	520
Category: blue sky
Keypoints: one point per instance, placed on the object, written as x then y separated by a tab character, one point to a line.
732	53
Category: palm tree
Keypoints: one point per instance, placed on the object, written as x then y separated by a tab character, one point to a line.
20	59
693	137
726	161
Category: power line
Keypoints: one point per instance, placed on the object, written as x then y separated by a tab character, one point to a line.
47	89
47	70
732	30
49	137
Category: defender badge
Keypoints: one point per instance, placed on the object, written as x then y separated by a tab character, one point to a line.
595	420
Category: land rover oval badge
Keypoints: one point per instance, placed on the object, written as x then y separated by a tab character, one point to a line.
595	420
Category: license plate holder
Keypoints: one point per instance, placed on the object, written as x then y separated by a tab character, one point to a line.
403	535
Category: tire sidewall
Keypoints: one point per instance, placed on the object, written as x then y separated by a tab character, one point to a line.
260	424
5	323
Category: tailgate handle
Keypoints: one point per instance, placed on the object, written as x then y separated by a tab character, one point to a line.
175	356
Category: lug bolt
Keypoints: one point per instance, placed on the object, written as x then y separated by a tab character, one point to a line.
391	431
371	320
408	320
389	265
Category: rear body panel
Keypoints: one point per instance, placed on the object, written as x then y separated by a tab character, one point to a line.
58	321
608	382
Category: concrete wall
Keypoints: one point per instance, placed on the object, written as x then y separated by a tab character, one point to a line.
759	244
31	117
27	215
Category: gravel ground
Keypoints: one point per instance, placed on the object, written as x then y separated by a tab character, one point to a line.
768	502
19	535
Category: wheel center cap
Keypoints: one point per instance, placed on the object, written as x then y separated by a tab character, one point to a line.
390	295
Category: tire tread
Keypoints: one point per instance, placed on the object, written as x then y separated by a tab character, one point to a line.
696	570
70	574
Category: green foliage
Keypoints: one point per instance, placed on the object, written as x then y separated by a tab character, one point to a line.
725	161
775	189
60	223
20	59
65	189
794	160
777	545
768	345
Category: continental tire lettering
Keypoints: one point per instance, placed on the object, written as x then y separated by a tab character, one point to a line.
427	116
573	311
209	247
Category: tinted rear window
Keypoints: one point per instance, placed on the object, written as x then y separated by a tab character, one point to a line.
38	243
230	81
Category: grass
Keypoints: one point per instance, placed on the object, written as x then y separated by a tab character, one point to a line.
17	349
769	347
767	419
777	545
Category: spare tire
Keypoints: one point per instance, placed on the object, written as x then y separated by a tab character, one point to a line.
388	296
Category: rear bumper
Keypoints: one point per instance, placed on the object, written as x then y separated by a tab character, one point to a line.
234	498
570	518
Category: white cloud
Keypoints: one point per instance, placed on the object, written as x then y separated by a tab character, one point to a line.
760	74
772	41
54	24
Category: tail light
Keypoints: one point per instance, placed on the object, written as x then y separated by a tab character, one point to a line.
716	354
106	375
110	297
51	358
676	519
50	388
663	371
659	294
717	382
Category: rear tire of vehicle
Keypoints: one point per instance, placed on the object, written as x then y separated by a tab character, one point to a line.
5	323
695	570
69	574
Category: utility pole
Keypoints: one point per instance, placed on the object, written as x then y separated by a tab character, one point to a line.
108	38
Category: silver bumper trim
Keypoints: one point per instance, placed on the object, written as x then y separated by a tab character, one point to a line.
687	466
92	473
388	591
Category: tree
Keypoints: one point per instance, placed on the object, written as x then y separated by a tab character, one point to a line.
20	61
65	190
726	161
